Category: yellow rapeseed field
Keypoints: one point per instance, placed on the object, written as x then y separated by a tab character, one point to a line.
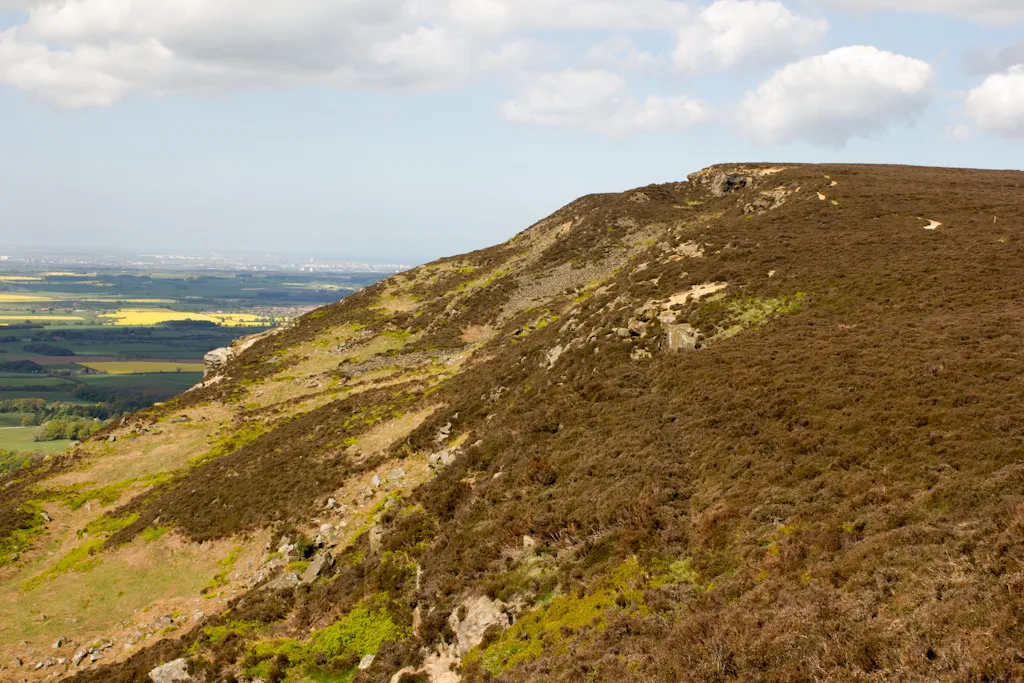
155	316
7	298
142	367
19	278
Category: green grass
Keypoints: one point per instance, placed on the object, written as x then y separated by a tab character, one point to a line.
144	367
100	597
12	419
151	534
240	628
226	565
84	557
51	396
22	538
78	495
330	651
21	439
553	626
17	382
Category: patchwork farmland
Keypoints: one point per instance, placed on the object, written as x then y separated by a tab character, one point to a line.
78	349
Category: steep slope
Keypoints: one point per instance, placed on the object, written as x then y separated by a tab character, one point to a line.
767	424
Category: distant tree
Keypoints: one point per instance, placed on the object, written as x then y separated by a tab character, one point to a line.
68	428
26	367
48	350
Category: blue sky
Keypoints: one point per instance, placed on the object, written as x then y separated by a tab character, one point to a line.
411	129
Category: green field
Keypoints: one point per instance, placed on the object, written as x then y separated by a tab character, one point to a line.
11	419
50	396
10	381
176	381
142	367
21	439
145	333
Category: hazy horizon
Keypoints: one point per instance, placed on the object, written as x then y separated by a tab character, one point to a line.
406	130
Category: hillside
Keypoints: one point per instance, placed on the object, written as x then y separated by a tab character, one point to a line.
767	424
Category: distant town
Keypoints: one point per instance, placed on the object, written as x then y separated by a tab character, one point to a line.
15	259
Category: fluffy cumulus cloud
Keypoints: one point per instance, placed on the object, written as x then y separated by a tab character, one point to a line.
989	11
599	101
849	92
997	105
746	33
93	52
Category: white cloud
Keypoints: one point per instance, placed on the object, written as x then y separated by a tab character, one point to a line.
988	11
599	101
997	105
849	92
79	53
72	79
15	5
503	15
619	53
746	32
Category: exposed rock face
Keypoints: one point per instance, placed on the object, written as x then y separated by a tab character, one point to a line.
681	337
478	614
320	564
216	360
481	613
286	580
729	182
442	459
172	672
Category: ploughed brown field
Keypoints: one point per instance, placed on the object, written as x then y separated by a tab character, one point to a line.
829	487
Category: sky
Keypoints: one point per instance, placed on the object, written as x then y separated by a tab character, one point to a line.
406	130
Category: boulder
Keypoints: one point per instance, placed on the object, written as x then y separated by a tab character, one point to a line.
376	536
647	313
286	580
216	360
681	337
320	564
480	614
637	328
172	672
641	354
441	459
366	662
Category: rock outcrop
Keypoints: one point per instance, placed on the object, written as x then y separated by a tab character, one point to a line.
172	672
215	361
